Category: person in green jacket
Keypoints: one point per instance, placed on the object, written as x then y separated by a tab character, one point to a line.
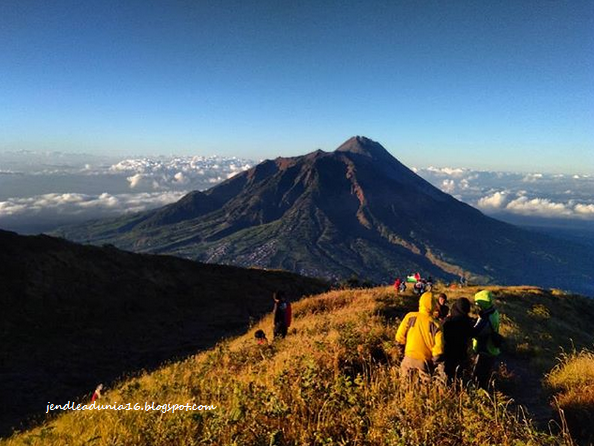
486	335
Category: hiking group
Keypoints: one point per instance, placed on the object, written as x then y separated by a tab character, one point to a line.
437	341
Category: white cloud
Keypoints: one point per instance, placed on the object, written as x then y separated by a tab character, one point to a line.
135	180
162	173
449	171
133	184
522	204
541	207
180	178
61	206
585	209
534	194
448	186
494	201
532	177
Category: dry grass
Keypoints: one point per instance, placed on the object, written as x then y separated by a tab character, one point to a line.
333	381
573	382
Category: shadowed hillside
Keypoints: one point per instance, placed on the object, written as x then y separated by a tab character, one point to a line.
334	381
354	211
72	316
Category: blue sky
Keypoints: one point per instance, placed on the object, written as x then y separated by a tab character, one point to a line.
495	85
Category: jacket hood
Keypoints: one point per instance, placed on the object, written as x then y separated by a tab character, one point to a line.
461	307
426	303
484	299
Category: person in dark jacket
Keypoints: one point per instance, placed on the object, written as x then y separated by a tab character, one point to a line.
441	308
458	330
282	315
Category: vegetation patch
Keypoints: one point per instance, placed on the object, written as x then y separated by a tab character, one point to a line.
334	380
573	382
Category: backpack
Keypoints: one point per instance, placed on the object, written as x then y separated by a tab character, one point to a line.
496	339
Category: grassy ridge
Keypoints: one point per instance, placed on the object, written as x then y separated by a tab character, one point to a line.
72	316
332	381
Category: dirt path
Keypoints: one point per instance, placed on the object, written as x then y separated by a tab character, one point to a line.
526	388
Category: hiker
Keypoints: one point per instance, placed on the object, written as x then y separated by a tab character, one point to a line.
261	337
458	329
397	284
282	315
486	340
421	337
419	288
441	308
417	277
97	393
402	287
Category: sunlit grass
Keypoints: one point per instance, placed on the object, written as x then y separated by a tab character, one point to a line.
573	382
333	381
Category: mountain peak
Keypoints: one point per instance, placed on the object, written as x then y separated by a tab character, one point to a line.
362	145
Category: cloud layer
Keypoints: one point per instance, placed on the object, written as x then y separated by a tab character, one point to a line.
534	194
194	172
45	212
75	203
41	191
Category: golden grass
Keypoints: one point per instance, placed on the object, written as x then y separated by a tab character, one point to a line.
333	381
575	371
573	382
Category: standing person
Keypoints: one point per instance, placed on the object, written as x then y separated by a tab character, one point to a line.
421	337
486	338
457	335
441	308
419	288
397	284
403	287
282	315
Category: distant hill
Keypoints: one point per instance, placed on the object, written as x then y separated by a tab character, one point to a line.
334	380
73	316
354	211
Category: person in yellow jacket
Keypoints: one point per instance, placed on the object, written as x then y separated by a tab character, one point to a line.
421	336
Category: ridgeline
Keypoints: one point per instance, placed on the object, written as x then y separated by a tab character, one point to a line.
334	381
72	316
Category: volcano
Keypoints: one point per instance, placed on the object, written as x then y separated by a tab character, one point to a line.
355	211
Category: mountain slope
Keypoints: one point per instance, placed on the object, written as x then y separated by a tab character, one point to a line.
356	210
334	380
72	316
